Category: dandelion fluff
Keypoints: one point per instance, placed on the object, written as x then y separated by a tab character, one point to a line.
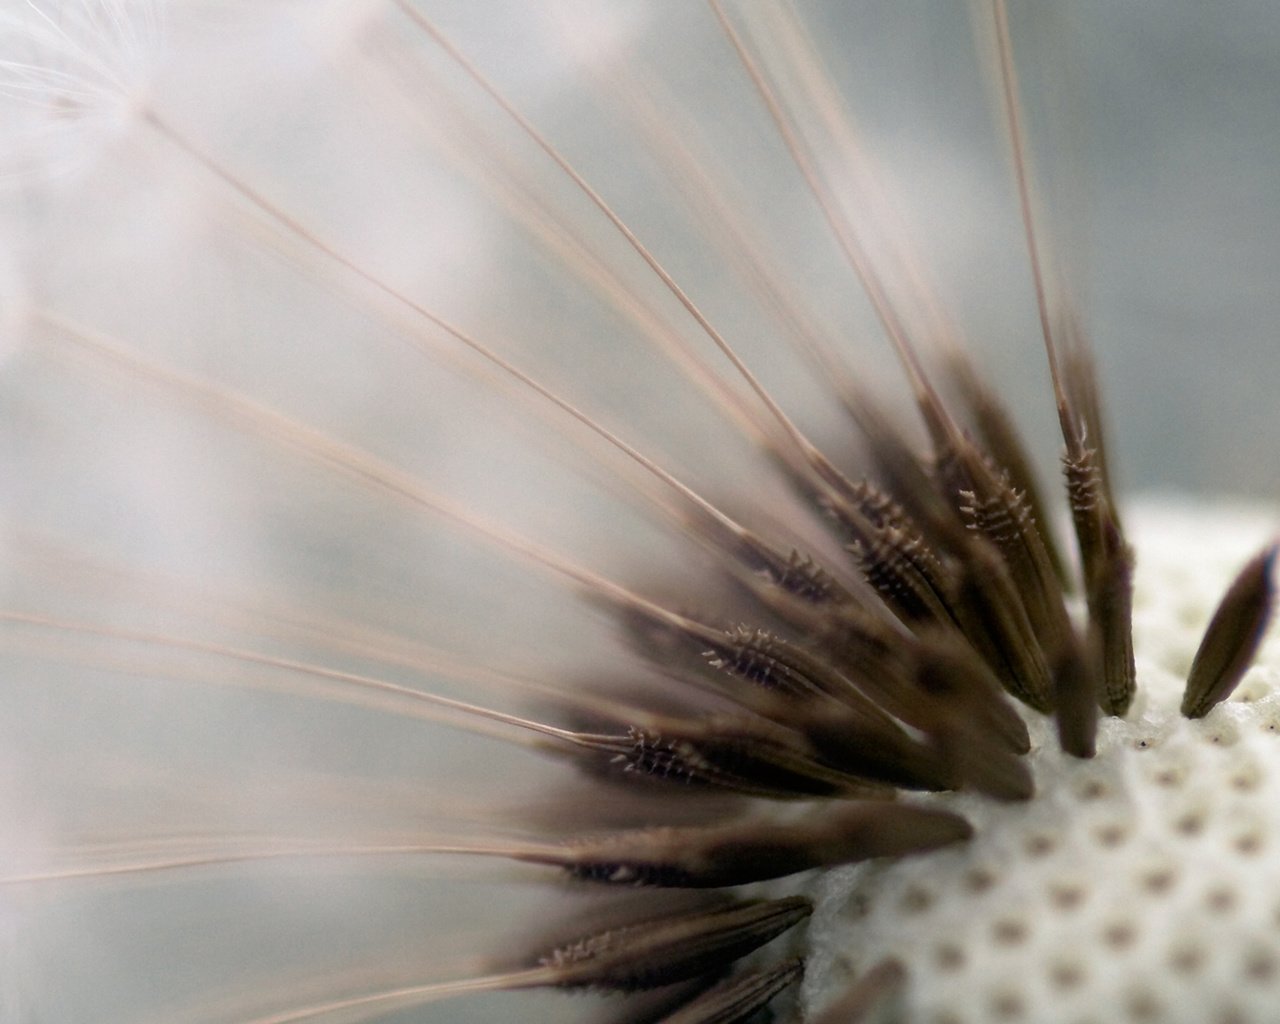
320	596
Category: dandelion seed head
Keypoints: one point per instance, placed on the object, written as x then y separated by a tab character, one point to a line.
305	588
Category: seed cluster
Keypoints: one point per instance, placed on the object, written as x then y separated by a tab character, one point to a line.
912	680
885	711
836	699
1143	879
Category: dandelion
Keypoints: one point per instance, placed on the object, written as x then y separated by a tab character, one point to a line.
516	502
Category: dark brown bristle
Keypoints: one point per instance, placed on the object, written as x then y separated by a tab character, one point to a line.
737	754
982	766
892	555
1233	637
1002	439
1107	561
901	471
740	997
752	850
782	667
650	954
1080	378
873	751
954	676
906	574
1000	513
797	574
993	618
1075	688
994	509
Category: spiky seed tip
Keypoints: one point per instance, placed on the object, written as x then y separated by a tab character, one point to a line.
650	954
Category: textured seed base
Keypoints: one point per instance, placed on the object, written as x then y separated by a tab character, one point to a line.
1142	886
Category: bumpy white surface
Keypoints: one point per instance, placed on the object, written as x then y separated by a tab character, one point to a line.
1143	885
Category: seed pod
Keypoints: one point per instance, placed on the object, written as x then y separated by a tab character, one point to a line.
992	508
1004	443
1233	636
1075	688
906	574
754	851
670	949
787	669
797	574
951	679
739	754
1107	560
739	997
1002	515
871	750
992	616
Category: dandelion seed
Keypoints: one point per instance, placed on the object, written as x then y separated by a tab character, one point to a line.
464	541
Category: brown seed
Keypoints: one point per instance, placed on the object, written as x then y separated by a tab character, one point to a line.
992	616
1233	636
1105	555
873	750
992	507
659	952
778	665
736	753
797	574
996	428
951	670
739	997
907	575
1108	563
983	765
1076	695
892	553
752	851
